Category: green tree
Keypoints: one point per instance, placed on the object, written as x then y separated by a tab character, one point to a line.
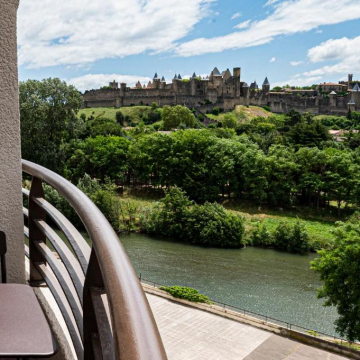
120	118
176	115
339	269
229	121
48	119
104	127
100	157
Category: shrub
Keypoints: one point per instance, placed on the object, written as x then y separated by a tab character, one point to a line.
208	225
292	238
267	108
154	105
186	293
261	236
211	225
120	118
215	110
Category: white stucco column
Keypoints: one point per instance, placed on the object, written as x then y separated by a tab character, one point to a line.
11	218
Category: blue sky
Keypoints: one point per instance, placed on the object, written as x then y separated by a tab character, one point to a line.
89	43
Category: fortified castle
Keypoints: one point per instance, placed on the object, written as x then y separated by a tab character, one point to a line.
226	90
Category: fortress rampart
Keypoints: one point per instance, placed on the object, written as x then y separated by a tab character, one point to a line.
228	90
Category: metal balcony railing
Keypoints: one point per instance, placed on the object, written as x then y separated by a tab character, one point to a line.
96	289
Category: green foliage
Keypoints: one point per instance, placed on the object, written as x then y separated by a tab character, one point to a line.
208	225
286	237
174	116
215	110
229	121
339	270
48	119
154	106
211	225
292	238
186	293
261	236
120	118
101	157
104	127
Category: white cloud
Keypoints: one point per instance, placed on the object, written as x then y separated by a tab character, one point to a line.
75	32
273	59
319	31
95	81
271	2
296	63
243	25
236	15
344	52
288	17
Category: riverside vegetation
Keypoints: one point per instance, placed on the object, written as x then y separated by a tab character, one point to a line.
281	162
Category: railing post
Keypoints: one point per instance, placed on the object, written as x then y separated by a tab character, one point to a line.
35	234
93	279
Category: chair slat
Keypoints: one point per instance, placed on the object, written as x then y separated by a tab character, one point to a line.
77	242
64	306
69	260
64	280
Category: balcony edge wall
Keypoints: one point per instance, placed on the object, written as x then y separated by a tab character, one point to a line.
11	218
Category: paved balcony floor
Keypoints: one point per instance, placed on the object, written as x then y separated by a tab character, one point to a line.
192	334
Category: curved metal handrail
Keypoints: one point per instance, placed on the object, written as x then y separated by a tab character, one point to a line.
134	330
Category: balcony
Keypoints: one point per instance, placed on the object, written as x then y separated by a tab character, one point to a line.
96	288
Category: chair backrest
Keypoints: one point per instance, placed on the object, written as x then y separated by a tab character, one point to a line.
3	250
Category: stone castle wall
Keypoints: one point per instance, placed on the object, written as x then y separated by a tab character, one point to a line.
224	89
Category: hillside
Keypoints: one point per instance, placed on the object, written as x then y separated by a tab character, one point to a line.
244	113
134	112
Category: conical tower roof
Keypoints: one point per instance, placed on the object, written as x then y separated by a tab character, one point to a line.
216	71
194	75
163	79
179	77
175	77
156	76
266	81
245	85
356	87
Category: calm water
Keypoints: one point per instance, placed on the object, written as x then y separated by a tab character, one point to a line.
265	281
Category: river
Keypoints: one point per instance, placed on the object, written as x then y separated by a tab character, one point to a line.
269	282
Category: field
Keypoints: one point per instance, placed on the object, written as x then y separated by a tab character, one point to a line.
134	112
244	113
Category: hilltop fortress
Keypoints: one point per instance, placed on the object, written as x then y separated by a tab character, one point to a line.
226	90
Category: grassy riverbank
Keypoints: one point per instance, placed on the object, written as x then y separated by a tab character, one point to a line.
320	226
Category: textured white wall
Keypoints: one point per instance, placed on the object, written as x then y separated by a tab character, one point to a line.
11	219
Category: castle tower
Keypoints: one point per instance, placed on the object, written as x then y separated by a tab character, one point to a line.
156	81
237	76
193	83
333	99
114	85
162	83
175	84
266	86
350	79
355	95
351	105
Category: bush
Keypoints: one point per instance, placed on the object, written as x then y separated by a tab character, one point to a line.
120	118
261	236
186	293
267	108
208	225
292	238
154	105
211	225
215	110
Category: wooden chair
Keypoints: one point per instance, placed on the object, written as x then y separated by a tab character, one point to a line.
24	330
